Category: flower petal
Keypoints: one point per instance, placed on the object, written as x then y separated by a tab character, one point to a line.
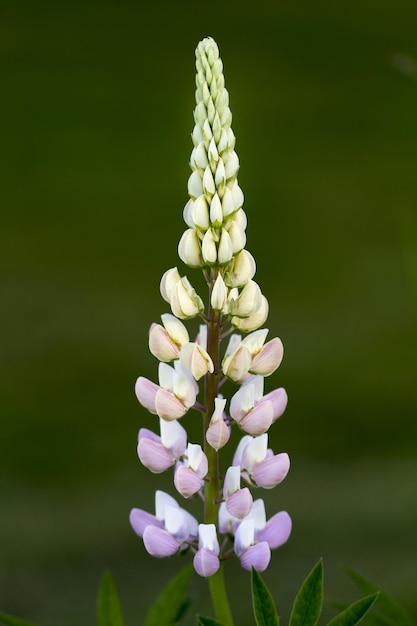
277	530
159	542
257	556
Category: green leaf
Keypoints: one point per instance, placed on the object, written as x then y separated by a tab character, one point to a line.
263	604
207	621
354	613
165	611
309	601
109	611
9	620
393	613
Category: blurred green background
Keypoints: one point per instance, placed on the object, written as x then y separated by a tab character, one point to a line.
96	115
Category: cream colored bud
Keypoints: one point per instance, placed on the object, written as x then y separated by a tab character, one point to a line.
237	236
217	127
213	154
255	341
223	144
233	295
200	213
185	303
237	360
241	219
207	134
168	282
196	359
208	248
228	205
220	175
161	344
248	302
216	213
238	197
211	111
242	270
225	252
219	294
231	139
188	213
254	321
195	185
189	249
200	156
176	329
208	182
197	135
232	165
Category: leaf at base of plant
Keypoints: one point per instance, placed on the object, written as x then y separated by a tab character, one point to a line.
109	611
307	605
165	611
355	612
263	605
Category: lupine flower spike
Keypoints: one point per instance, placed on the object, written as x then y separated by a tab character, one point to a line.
192	370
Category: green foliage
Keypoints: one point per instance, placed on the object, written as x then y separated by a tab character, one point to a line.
207	621
308	603
109	611
169	605
263	604
355	612
391	611
9	620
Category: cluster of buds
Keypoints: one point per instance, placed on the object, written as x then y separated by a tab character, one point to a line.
233	524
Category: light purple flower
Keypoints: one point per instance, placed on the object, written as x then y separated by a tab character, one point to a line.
206	561
170	530
250	552
176	393
258	463
252	412
160	453
189	474
238	501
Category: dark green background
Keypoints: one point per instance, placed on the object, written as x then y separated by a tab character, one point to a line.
96	114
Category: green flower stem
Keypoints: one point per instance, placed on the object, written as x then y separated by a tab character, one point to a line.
212	484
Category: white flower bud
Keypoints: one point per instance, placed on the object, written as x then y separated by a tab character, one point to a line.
185	303
188	214
253	321
189	249
175	329
208	182
248	302
237	359
195	185
219	294
200	213
228	205
242	270
196	359
200	156
216	213
197	135
220	175
222	144
238	197
213	154
232	165
225	248
208	248
237	236
168	282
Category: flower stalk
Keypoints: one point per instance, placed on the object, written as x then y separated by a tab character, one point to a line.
214	242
